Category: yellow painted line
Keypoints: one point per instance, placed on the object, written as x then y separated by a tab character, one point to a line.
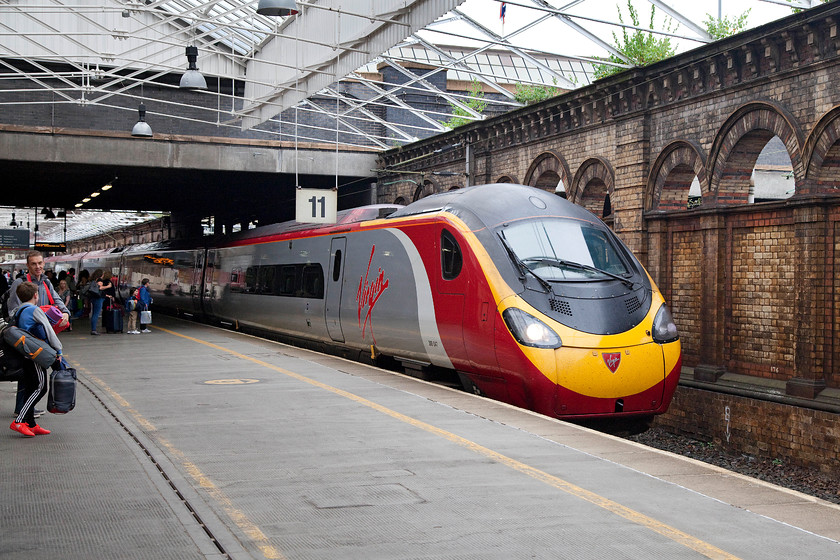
689	541
237	516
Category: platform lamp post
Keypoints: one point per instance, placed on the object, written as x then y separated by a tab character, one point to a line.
63	214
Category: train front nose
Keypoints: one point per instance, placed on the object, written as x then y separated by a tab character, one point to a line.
601	381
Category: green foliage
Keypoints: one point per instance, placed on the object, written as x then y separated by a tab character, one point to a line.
641	47
724	27
528	95
476	102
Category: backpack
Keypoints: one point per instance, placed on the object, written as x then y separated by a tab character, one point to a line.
29	345
62	390
4	304
11	363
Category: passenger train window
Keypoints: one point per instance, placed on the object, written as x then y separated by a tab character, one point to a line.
313	281
251	280
337	266
289	280
266	283
450	256
286	286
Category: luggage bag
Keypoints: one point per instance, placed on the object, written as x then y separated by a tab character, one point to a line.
62	393
113	320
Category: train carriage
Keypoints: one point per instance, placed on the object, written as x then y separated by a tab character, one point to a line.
519	294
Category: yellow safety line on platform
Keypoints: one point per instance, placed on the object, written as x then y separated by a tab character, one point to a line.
700	546
238	517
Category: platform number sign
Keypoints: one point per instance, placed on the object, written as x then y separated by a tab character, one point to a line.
316	206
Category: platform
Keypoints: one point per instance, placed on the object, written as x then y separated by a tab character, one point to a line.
197	442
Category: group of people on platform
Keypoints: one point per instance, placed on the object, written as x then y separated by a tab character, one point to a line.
24	305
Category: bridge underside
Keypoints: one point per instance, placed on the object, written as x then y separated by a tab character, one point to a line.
256	181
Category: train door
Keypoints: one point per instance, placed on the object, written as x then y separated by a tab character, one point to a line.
210	282
335	281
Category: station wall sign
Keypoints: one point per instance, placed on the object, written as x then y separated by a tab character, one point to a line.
51	247
14	239
316	206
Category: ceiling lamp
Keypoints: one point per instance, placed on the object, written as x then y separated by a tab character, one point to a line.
277	8
192	78
142	128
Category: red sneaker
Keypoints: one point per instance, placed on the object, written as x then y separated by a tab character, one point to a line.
22	428
38	430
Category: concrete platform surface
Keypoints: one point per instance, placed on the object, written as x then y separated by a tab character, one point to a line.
196	442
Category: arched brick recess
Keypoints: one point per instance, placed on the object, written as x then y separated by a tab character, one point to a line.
547	170
593	182
507	179
672	174
401	200
822	154
740	141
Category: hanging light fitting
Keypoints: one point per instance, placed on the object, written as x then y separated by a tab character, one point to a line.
192	78
142	128
280	8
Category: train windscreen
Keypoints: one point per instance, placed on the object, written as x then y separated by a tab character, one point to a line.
560	249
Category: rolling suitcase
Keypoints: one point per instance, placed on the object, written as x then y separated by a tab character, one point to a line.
113	320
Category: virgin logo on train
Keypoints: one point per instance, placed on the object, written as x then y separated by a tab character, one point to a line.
368	294
612	359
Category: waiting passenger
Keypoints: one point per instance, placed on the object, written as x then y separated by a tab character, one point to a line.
96	293
28	316
144	299
46	295
67	297
131	308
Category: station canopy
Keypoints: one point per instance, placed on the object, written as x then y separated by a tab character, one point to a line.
91	52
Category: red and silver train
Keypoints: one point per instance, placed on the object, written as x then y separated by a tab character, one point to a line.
519	294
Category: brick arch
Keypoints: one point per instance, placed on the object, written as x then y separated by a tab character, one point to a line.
507	179
739	142
401	200
547	170
672	174
593	185
822	154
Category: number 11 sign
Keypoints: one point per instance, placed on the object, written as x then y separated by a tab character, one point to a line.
316	206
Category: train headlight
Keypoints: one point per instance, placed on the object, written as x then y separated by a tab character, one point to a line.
664	328
530	331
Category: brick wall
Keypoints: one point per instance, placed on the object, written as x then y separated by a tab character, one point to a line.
686	290
768	430
761	334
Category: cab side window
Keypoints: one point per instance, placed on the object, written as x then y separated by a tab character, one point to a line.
451	259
